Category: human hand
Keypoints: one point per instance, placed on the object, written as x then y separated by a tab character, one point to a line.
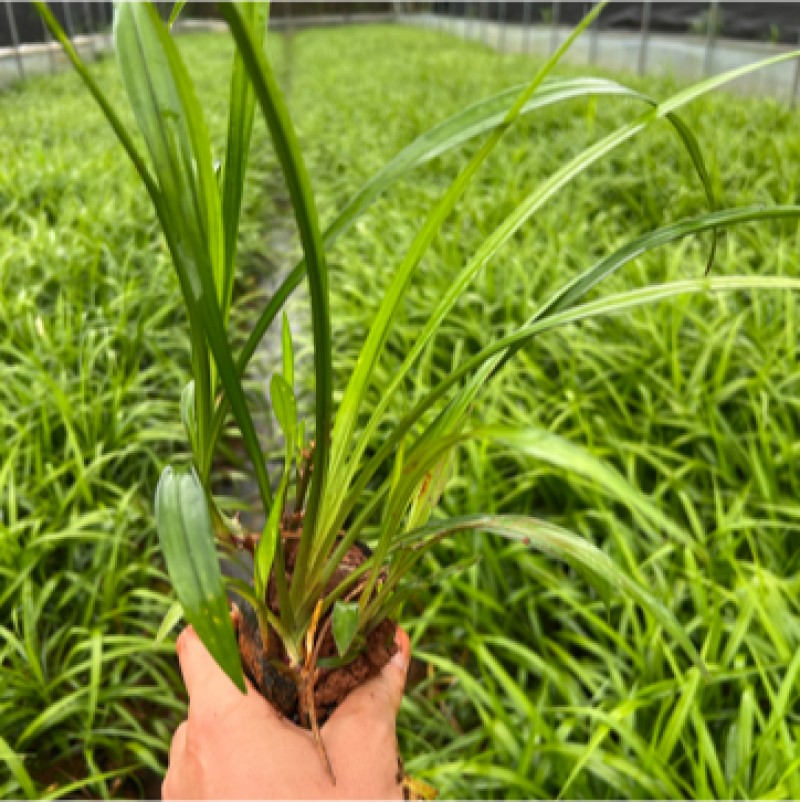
238	747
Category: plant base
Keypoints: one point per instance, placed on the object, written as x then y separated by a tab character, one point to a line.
269	671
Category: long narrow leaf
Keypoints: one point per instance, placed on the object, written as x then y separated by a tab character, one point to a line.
667	108
170	119
486	362
558	451
563	545
347	413
299	185
240	128
187	541
461	127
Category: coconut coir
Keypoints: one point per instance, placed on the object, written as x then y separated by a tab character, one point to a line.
269	672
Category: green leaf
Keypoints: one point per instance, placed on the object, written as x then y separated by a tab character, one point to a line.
287	148
288	353
484	116
448	422
358	384
339	662
172	124
265	553
176	10
189	414
563	545
481	117
560	452
116	124
149	51
301	444
95	676
480	368
173	615
187	541
397	472
285	407
240	128
465	125
677	722
430	492
345	625
449	419
16	766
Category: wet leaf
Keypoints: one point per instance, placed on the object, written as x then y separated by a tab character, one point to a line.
285	407
174	614
187	541
345	625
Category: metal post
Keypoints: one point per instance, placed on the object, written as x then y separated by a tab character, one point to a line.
484	15
51	52
68	20
554	30
708	65
12	25
796	78
645	36
593	41
108	19
502	22
87	10
526	24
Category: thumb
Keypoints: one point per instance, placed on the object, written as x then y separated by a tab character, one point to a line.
381	696
211	692
392	678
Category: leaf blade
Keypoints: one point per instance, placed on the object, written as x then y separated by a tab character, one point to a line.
345	625
187	541
171	618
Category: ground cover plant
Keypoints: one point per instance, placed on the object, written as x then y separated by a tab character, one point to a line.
692	402
320	572
468	717
93	346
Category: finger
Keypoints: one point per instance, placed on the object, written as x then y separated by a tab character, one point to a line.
178	745
177	753
360	736
393	675
211	691
382	696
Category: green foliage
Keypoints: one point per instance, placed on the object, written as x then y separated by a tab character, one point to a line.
187	541
558	672
345	625
95	353
534	688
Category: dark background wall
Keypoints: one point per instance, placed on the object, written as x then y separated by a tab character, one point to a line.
759	21
778	22
77	18
86	17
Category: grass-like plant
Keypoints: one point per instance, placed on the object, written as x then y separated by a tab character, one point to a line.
344	485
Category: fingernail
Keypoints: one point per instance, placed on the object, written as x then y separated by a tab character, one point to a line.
400	660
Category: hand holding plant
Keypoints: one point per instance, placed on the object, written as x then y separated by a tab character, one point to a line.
237	747
318	622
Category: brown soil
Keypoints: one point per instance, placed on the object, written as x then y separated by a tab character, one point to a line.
270	672
334	685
